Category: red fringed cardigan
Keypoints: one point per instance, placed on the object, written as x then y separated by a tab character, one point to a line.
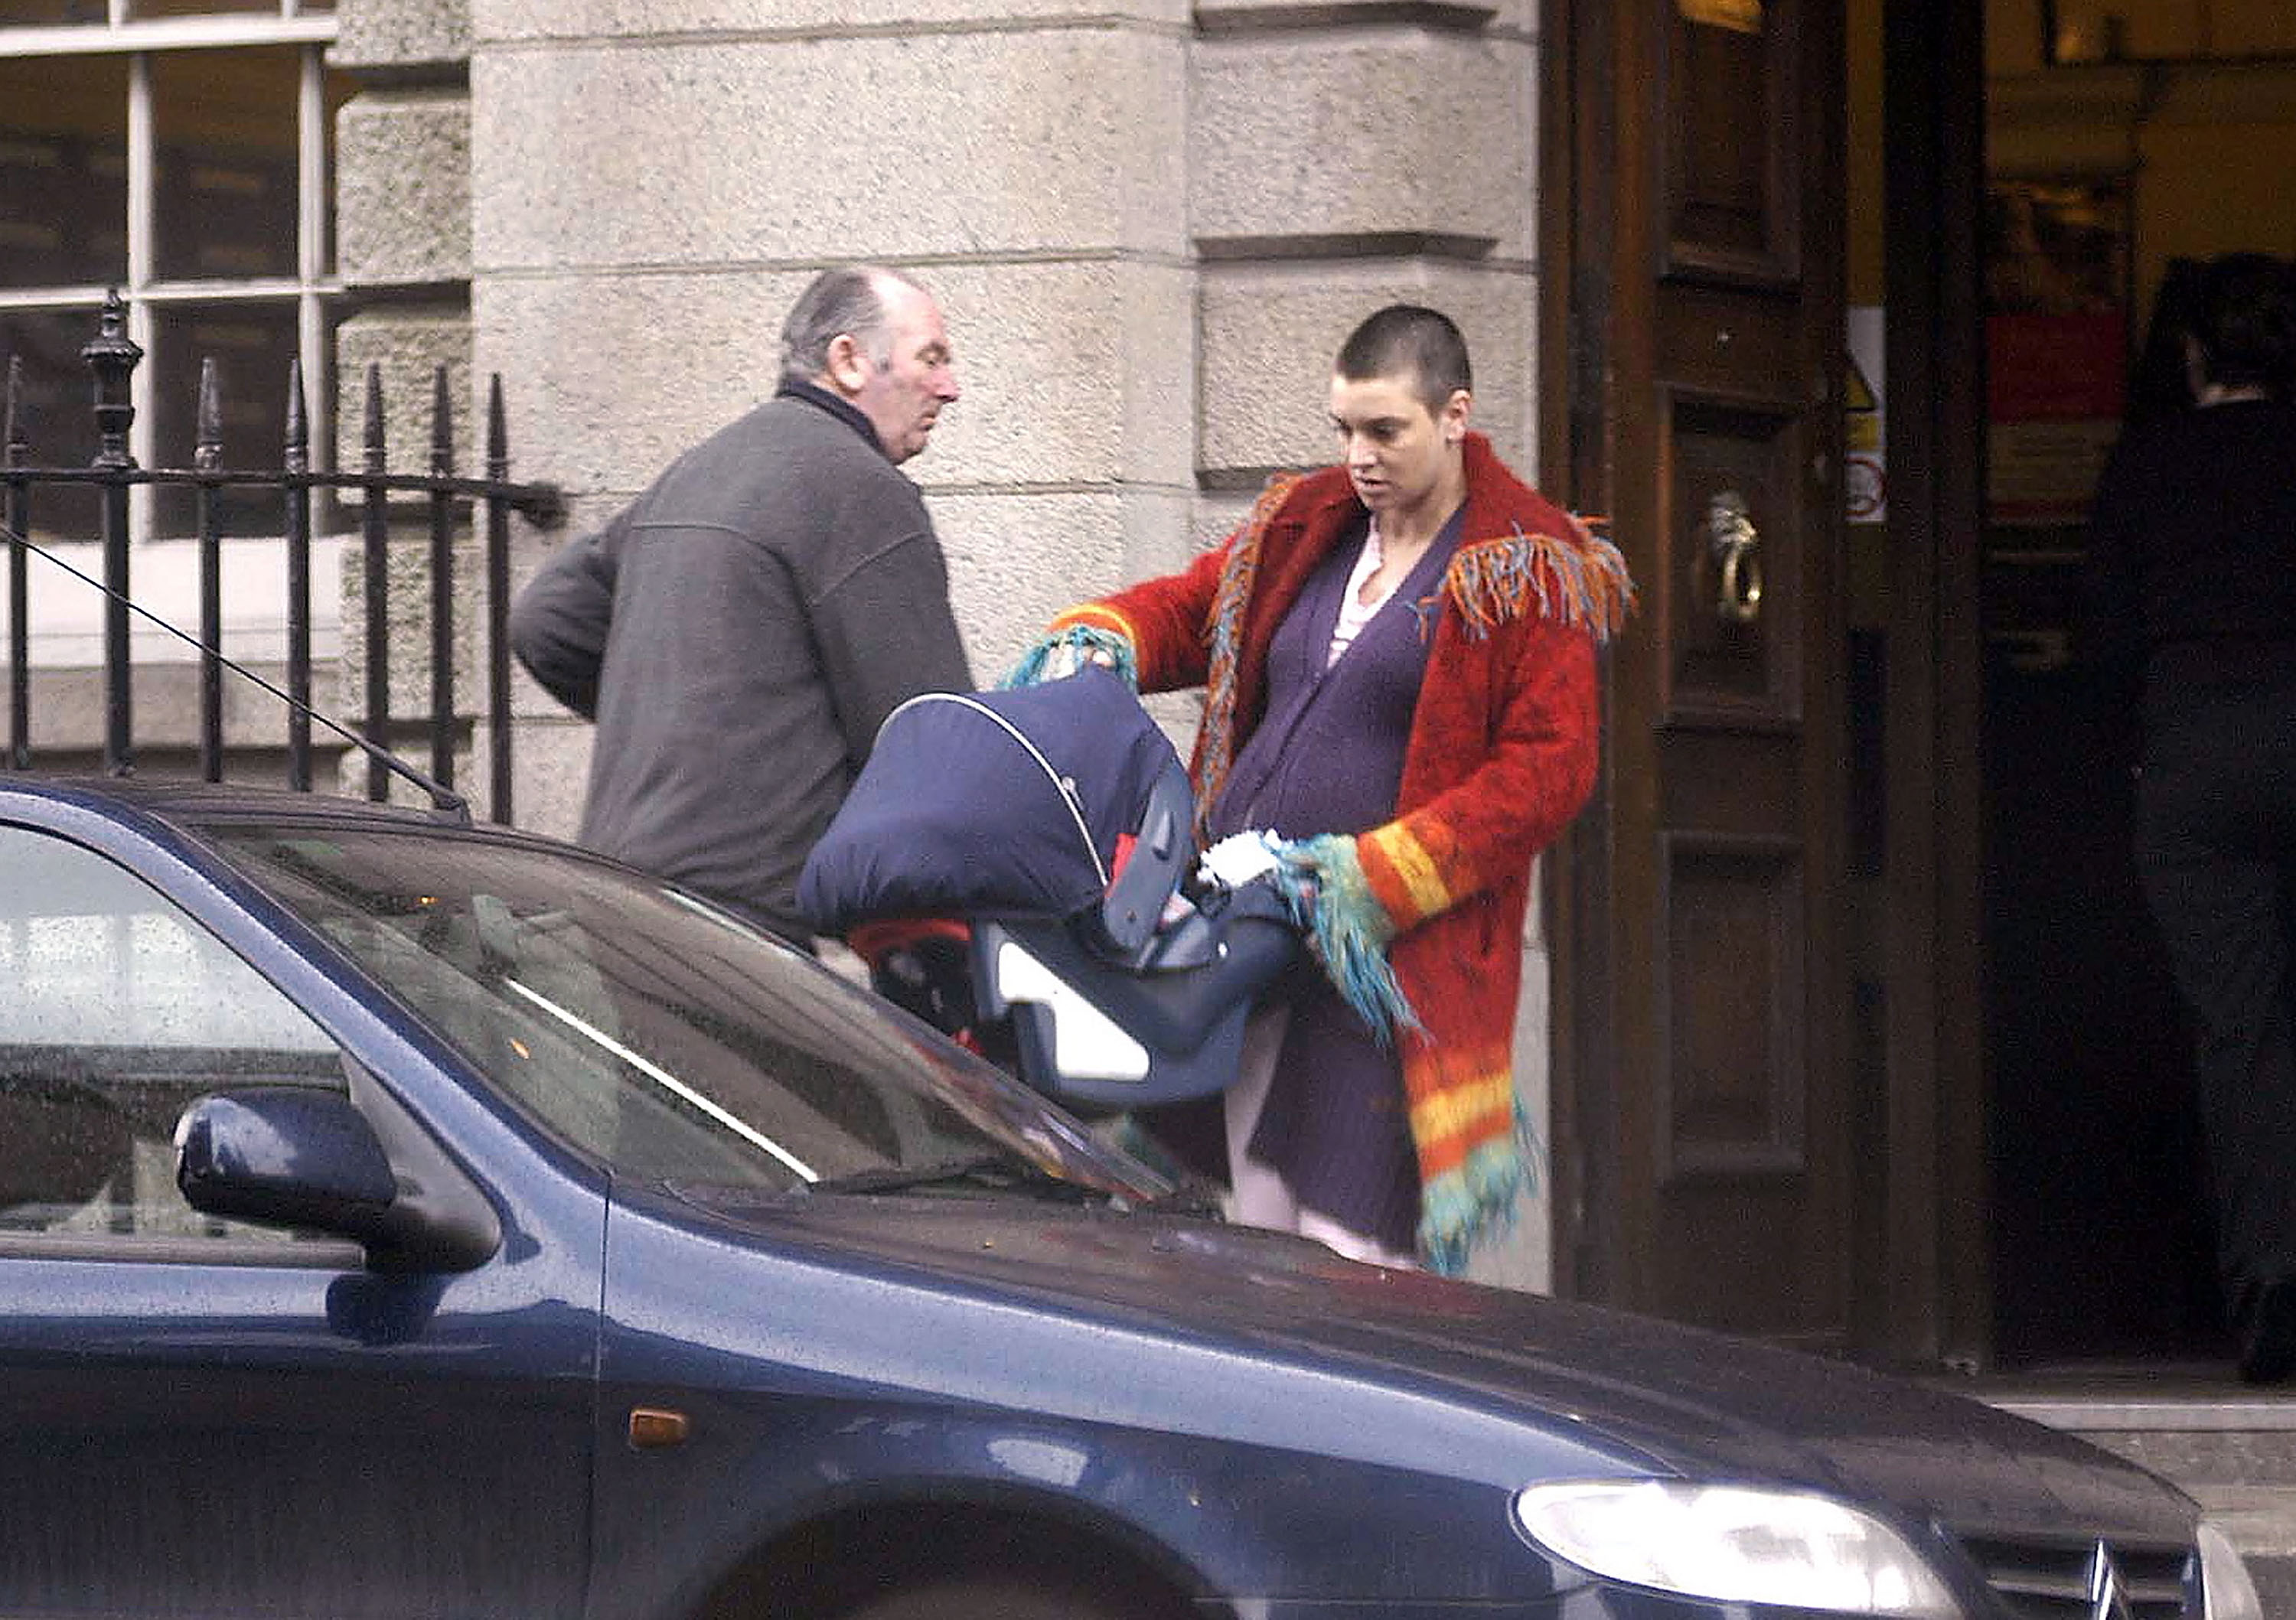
1502	755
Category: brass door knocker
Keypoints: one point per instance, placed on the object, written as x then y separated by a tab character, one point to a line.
1734	543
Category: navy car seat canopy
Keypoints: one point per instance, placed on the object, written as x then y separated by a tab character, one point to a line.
993	803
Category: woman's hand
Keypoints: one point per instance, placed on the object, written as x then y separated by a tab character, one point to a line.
1064	653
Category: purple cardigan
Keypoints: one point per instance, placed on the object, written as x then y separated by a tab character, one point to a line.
1328	757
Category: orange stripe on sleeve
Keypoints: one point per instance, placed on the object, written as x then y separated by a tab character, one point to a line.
1097	615
1402	875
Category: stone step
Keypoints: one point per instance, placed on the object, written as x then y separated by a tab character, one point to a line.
2232	1449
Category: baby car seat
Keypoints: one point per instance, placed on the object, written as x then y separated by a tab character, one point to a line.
1055	821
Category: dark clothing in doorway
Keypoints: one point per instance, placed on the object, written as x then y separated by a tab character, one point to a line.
2193	625
2215	838
2192	551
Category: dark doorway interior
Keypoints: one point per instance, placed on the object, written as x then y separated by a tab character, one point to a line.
2101	1242
2111	155
2100	1247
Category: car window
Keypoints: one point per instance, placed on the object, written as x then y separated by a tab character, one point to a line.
646	1029
116	1010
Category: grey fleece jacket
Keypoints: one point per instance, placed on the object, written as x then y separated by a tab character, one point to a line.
738	632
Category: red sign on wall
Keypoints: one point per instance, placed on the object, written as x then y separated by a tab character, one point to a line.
2056	367
2055	387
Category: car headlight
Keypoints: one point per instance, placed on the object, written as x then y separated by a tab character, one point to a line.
1735	1544
2227	1592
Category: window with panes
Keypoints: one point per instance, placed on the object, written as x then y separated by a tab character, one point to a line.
177	150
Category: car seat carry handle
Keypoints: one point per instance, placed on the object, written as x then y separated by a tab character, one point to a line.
1133	905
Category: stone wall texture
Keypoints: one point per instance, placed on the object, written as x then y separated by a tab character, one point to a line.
403	187
399	35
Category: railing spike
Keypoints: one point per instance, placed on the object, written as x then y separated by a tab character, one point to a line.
206	450
442	424
12	435
377	455
498	429
298	419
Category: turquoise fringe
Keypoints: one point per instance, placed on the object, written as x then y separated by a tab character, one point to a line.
1351	929
1479	1202
1083	642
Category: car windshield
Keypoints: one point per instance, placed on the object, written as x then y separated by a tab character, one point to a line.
655	1033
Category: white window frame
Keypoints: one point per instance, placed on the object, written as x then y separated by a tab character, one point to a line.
311	286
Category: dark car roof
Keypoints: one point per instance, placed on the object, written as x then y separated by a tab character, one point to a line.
192	799
189	803
185	811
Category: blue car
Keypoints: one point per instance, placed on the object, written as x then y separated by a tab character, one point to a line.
405	1218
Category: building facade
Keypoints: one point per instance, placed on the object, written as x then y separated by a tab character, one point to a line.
1816	1068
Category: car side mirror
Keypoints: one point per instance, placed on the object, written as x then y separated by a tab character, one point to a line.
305	1158
285	1157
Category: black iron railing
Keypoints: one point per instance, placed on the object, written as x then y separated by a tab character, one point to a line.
111	358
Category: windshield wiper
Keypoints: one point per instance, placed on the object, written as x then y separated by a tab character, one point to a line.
1000	1172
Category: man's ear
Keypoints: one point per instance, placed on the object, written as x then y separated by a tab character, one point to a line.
847	367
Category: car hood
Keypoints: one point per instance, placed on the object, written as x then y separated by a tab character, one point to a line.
1680	1400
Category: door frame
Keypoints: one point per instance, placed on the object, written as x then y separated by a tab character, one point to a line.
1579	149
1922	1296
1936	1307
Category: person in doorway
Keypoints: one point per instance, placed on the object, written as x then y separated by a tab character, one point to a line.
1398	658
740	630
2192	622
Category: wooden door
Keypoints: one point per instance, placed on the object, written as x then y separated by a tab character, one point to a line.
1705	1141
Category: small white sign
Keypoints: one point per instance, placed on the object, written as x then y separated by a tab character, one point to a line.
1865	470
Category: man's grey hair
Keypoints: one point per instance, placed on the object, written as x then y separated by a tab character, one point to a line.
847	301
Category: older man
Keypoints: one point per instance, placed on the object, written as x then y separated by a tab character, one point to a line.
739	630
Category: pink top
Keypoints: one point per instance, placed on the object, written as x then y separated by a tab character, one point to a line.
1355	613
